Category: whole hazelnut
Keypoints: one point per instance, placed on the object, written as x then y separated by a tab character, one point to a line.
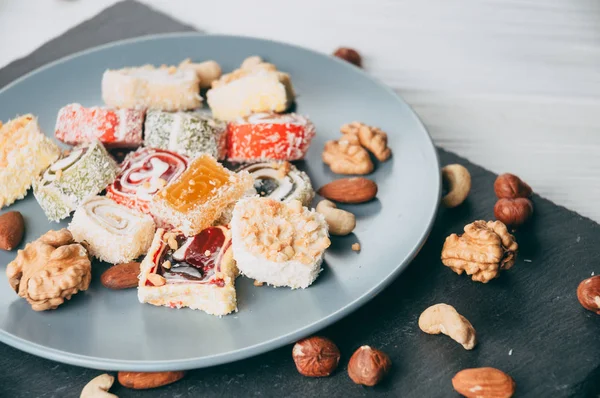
316	356
349	55
368	366
588	294
12	227
513	212
510	186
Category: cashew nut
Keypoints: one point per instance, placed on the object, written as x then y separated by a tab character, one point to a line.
98	387
458	180
340	222
443	318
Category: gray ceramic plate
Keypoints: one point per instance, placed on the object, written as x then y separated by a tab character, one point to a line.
108	329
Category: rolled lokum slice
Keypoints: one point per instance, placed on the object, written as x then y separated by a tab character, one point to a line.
255	87
195	199
114	233
115	128
281	244
188	133
83	173
196	272
165	88
143	173
281	181
269	136
24	153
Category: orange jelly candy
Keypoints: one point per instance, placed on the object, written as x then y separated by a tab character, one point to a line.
197	184
198	197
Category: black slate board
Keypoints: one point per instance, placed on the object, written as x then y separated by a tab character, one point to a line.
528	321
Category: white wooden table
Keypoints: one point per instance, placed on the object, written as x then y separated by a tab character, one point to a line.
513	85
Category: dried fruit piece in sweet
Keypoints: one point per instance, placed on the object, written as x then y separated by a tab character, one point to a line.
316	356
143	173
255	87
269	136
79	175
24	153
280	181
196	272
115	128
281	244
346	156
188	133
198	197
372	138
114	233
50	270
482	251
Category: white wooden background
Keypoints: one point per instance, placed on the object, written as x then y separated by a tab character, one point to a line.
513	85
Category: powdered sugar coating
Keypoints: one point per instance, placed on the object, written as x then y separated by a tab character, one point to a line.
164	88
260	91
269	136
188	133
24	153
114	233
60	190
281	244
115	128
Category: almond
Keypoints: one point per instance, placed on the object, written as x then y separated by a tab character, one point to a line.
588	294
145	380
121	276
483	383
12	228
349	190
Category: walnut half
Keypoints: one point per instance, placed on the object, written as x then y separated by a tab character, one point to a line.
482	251
346	156
372	138
50	270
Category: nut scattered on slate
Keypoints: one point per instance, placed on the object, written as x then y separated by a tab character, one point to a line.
509	186
349	55
588	294
98	387
483	383
368	366
443	318
316	356
513	212
458	181
482	251
146	380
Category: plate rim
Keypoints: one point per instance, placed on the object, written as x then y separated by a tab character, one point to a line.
264	346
